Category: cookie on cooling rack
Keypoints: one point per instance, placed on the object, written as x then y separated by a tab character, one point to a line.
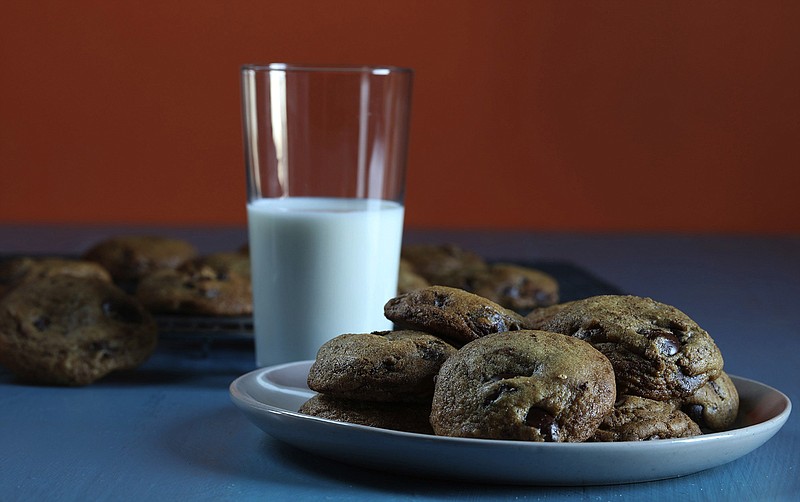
129	258
17	271
443	264
213	285
66	330
515	287
408	279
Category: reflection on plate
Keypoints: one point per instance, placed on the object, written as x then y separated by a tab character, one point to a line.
270	396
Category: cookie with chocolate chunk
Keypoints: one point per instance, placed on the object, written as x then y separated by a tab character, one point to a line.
523	385
406	417
516	287
714	405
408	279
380	366
657	351
217	284
129	258
636	418
451	313
72	331
444	264
16	271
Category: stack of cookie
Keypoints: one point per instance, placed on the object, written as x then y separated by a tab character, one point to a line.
669	371
512	286
382	379
609	368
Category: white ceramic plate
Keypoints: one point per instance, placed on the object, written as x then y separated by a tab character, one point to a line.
270	397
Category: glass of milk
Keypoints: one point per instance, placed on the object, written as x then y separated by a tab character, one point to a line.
325	152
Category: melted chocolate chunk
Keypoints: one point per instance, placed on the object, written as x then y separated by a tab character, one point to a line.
543	421
695	411
667	341
497	393
593	332
668	344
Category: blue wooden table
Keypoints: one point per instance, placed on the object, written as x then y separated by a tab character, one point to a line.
169	431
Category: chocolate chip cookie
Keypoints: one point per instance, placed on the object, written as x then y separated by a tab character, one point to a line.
72	331
129	258
217	284
406	417
515	287
444	264
16	271
523	385
637	418
715	405
380	366
408	279
657	351
451	313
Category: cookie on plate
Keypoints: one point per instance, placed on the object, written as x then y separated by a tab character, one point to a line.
16	271
523	385
380	366
516	287
129	258
637	418
443	264
72	331
657	351
451	313
715	405
217	284
406	417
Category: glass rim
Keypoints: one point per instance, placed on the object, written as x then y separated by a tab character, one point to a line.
333	68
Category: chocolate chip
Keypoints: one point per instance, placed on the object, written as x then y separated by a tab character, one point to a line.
695	411
121	311
440	300
498	392
430	352
591	332
543	421
101	347
211	293
41	323
668	344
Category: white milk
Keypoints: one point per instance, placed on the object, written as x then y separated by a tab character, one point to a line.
321	267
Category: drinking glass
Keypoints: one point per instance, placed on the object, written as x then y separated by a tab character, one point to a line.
325	153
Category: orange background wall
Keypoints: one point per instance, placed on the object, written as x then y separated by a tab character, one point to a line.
604	115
